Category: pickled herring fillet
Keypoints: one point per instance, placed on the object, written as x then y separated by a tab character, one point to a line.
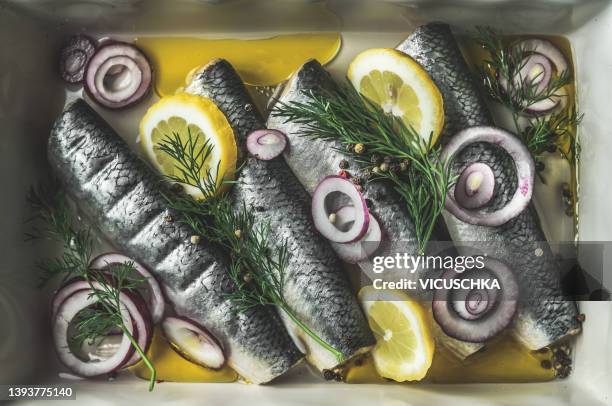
316	288
122	196
545	315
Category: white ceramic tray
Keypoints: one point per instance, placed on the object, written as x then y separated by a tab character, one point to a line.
31	96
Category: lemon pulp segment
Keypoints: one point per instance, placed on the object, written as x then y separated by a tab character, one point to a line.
401	87
192	119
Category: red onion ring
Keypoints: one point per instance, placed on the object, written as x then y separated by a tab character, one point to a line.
155	299
74	58
130	69
137	311
541	53
475	186
526	75
547	49
266	144
77	302
320	215
525	170
364	247
63	293
194	342
477	315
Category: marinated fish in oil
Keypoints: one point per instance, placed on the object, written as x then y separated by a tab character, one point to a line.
122	196
545	315
316	289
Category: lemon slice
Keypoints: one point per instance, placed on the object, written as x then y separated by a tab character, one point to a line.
404	343
400	86
185	114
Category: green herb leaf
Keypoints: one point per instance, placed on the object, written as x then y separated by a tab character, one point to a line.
344	115
54	220
257	271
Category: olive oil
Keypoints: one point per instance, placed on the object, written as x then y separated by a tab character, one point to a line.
172	367
260	62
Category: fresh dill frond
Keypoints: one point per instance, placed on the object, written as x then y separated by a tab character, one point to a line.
256	270
343	115
53	220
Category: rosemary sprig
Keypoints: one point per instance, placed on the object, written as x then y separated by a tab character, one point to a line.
503	82
55	223
344	115
257	271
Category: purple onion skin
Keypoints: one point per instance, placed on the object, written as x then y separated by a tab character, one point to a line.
140	94
75	56
496	317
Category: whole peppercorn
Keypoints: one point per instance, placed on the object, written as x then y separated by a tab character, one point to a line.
350	147
388	159
248	278
384	167
565	190
328	374
237	233
581	317
356	180
343	164
375	159
359	188
195	239
404	165
359	148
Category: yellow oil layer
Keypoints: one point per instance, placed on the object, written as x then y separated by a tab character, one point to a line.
260	62
172	367
505	360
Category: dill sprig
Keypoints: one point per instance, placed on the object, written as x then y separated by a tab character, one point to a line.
343	115
54	222
256	270
503	82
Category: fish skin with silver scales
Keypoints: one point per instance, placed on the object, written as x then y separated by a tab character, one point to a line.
122	196
545	315
316	289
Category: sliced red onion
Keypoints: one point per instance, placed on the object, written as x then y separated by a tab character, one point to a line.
63	293
525	170
118	75
475	186
547	49
193	342
545	106
537	69
354	252
74	57
155	297
142	321
68	310
337	184
266	144
477	315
